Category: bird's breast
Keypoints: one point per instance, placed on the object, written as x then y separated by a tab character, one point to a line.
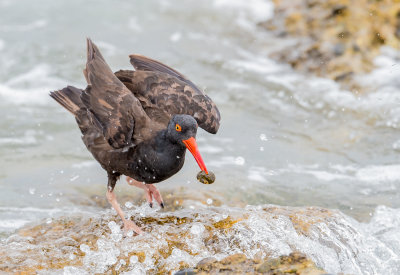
150	165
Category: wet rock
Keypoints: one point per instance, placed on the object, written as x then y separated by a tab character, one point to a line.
206	264
295	263
211	240
185	272
338	40
233	264
206	178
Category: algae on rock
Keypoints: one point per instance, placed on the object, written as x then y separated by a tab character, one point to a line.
295	263
337	39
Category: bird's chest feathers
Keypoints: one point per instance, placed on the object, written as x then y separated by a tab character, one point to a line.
156	161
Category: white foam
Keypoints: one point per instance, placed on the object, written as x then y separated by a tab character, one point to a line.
49	211
25	27
323	96
387	71
72	270
84	164
254	10
379	173
12	223
374	174
31	87
28	138
257	174
326	176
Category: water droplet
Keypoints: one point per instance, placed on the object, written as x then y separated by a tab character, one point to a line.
32	191
197	229
132	260
175	37
74	178
239	161
84	248
262	149
114	227
49	220
209	201
263	137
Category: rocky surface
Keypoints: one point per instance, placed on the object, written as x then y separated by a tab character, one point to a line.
295	263
195	237
335	39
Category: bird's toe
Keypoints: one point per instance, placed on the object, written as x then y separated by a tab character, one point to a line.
131	226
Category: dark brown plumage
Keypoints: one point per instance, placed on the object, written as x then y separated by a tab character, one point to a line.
129	120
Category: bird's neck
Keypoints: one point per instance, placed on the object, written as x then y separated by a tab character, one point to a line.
164	144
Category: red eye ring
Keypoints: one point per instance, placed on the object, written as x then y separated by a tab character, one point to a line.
178	127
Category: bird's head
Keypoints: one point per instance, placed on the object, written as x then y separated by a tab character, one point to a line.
182	129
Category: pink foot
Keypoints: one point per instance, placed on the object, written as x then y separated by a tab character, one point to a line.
150	189
131	226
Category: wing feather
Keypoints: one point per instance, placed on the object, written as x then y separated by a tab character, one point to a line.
116	109
164	92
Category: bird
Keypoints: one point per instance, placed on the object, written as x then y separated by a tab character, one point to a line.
138	123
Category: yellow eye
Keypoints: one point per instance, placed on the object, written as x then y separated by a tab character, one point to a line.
178	127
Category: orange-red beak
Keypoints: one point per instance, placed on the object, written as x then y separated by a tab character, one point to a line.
192	146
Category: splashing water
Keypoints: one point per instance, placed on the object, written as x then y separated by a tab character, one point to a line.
173	240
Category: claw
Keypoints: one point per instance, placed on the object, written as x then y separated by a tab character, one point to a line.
162	205
151	205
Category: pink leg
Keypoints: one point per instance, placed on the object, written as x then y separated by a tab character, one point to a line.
128	224
151	191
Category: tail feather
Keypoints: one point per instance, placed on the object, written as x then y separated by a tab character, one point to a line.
69	98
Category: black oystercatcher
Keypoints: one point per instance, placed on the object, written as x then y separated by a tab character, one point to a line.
138	123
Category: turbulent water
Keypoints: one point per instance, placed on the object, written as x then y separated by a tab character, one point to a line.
286	138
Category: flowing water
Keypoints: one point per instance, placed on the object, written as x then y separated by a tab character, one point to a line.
286	138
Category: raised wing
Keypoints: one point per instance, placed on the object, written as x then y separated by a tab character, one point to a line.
164	92
142	63
120	114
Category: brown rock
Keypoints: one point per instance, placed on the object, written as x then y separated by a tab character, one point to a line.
339	39
206	264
